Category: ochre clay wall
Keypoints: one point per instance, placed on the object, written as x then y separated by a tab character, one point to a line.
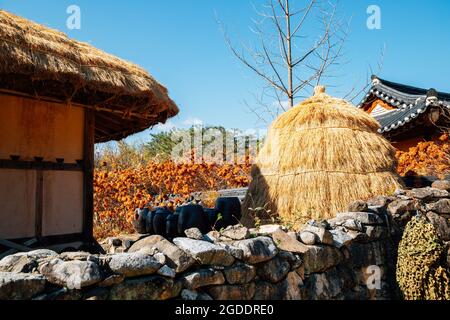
63	203
31	128
17	203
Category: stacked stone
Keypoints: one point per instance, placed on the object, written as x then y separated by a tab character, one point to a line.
346	257
237	263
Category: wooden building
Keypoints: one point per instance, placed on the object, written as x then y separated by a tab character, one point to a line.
57	98
407	115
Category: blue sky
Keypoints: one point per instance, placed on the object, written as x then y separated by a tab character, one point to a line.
181	45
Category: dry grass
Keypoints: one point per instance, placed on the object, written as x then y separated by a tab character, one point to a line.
318	157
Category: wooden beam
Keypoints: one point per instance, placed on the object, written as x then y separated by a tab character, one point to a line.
14	245
116	108
39	165
88	177
45	241
13	251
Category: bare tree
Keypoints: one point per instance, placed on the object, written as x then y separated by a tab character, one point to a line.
358	90
296	50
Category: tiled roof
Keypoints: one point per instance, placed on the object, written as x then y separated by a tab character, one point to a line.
409	102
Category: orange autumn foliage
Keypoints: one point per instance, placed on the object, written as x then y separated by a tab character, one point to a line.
431	158
118	192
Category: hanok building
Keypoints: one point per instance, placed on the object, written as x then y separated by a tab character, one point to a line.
57	98
407	115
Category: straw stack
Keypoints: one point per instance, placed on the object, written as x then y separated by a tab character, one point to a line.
318	157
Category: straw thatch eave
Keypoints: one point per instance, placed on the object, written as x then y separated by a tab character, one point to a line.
42	63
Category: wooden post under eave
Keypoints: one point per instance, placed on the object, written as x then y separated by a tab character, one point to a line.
88	164
39	203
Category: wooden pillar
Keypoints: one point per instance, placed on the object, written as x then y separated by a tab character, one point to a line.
88	168
39	202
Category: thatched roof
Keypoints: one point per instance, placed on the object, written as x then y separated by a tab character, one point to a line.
45	63
318	157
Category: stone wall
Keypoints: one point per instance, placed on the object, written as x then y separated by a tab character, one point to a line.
352	256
